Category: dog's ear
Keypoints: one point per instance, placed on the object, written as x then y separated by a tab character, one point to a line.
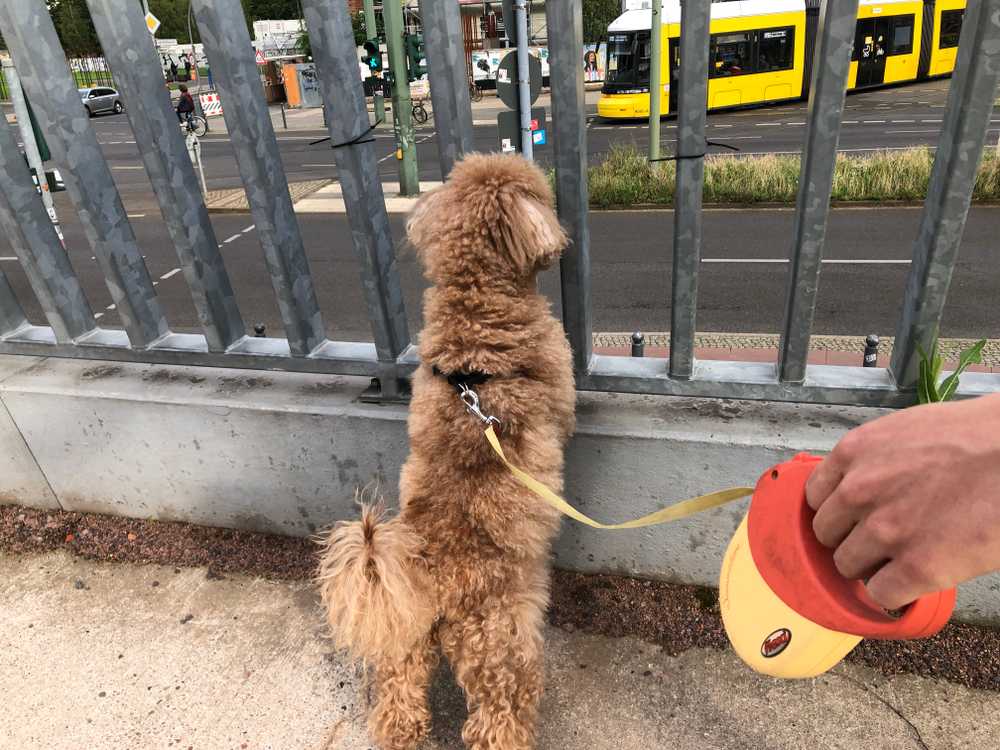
529	232
422	220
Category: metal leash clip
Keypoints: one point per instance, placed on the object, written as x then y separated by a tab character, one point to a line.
471	400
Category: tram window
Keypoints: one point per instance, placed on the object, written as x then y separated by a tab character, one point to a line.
901	35
951	28
731	55
775	49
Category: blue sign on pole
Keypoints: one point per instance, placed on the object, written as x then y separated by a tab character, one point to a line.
538	137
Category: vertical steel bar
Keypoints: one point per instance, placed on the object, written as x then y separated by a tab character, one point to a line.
227	43
357	165
523	79
832	62
32	40
12	317
963	135
691	116
569	133
655	68
26	223
449	80
131	54
28	141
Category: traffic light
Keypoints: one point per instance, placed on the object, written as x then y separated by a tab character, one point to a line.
415	57
372	56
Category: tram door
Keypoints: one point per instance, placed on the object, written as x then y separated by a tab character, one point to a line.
871	45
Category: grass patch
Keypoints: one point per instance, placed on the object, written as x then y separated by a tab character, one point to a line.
626	178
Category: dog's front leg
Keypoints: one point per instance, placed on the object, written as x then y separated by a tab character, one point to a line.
401	718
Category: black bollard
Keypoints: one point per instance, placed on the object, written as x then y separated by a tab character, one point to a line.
259	331
638	344
871	351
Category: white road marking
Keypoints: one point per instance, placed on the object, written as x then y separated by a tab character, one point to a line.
766	124
168	274
249	228
136	216
110	307
230	239
901	122
126	167
929	130
98	316
849	122
795	123
834	261
874	122
322	165
9	258
930	121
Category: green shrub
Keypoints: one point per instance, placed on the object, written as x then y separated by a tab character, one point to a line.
624	177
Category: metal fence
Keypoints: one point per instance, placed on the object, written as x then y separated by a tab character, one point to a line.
146	336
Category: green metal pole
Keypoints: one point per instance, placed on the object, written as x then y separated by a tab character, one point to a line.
655	55
409	184
371	28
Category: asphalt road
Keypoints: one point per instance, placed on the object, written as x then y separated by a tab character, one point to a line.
742	287
742	282
889	118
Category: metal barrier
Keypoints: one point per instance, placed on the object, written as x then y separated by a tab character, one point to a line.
146	336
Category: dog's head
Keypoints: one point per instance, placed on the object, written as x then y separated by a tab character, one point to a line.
493	217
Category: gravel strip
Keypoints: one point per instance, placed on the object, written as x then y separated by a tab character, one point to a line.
949	348
235	199
673	616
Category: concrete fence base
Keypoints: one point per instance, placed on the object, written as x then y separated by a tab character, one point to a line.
285	453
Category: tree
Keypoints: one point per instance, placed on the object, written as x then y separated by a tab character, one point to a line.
74	27
597	16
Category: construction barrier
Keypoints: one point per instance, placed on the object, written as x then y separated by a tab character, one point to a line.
211	105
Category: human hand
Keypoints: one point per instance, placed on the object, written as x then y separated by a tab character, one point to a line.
912	501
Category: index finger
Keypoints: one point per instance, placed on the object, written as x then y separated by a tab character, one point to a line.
824	480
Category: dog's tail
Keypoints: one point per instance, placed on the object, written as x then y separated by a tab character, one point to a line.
376	591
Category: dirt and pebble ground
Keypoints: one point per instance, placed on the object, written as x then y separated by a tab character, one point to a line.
673	616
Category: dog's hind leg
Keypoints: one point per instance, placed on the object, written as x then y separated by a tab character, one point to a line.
401	718
496	656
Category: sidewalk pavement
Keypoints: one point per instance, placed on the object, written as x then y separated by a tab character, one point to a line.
116	655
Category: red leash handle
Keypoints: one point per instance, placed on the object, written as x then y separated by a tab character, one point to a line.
802	573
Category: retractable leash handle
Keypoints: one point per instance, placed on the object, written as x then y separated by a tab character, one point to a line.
802	573
787	610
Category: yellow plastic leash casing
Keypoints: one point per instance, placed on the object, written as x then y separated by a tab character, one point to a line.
768	635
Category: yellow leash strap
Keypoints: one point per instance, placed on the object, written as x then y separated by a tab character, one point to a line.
671	513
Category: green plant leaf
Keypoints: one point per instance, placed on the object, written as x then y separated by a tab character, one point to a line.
927	379
971	356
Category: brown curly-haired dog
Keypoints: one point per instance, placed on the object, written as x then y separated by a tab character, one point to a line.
465	565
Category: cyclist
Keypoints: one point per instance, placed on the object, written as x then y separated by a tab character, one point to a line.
185	105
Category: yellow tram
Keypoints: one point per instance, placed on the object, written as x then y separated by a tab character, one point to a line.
761	51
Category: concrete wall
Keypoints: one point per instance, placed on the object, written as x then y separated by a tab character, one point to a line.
285	452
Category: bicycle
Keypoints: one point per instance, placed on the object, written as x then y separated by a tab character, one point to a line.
195	124
419	112
475	93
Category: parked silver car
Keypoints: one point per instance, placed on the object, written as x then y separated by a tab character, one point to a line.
99	100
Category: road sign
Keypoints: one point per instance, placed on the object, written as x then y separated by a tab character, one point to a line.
152	23
509	126
260	57
507	79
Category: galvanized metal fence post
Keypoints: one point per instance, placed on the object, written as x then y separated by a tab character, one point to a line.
832	62
569	135
963	135
227	42
357	166
130	52
26	223
31	37
445	52
691	116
